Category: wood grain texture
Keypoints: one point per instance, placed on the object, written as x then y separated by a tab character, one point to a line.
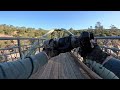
62	66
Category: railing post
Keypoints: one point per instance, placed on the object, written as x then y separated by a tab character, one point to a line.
19	47
39	44
96	40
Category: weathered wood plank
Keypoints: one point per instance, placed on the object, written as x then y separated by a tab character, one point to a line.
54	69
69	70
38	73
62	66
92	74
47	70
81	71
75	68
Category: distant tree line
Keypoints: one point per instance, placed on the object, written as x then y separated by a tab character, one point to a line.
99	30
21	31
11	30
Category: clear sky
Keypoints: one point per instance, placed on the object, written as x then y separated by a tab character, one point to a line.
60	19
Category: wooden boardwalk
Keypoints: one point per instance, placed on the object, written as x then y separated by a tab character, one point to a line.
60	67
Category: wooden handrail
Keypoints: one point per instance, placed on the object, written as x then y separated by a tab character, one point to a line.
92	74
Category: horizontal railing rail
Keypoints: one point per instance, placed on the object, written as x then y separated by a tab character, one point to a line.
12	38
18	48
108	37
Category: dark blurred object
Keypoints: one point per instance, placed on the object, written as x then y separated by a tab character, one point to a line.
85	43
89	49
66	44
97	55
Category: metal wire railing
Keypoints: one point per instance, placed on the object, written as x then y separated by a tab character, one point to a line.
23	47
19	49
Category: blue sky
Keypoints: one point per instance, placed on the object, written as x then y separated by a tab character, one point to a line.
60	19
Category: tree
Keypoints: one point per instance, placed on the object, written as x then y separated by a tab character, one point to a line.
1	31
6	32
90	28
40	29
63	29
112	27
23	28
98	26
11	26
37	34
71	29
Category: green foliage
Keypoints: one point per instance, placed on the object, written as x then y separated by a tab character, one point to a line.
1	31
2	44
32	32
21	31
36	33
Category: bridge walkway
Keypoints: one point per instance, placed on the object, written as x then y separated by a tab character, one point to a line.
63	66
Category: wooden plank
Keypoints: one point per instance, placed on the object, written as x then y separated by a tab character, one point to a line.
75	68
51	76
47	70
61	74
80	73
38	73
92	74
59	67
63	68
54	69
84	74
69	70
